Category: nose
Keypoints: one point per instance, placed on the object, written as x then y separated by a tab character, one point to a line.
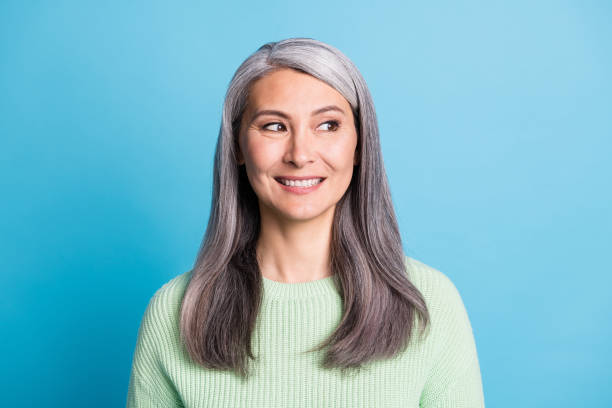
300	147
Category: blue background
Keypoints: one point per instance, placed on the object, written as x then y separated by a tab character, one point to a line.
495	122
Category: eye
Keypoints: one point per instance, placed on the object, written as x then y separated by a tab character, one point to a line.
272	123
334	124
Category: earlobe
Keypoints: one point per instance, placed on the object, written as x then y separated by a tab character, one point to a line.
239	158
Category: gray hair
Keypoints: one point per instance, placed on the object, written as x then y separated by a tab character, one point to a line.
367	259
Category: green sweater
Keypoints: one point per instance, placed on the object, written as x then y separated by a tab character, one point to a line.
440	371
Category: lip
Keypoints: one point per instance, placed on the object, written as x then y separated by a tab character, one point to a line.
299	178
299	190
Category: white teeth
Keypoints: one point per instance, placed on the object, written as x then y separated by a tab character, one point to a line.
300	183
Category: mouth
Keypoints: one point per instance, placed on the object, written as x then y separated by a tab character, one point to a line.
299	182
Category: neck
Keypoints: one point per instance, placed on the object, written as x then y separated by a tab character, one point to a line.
292	252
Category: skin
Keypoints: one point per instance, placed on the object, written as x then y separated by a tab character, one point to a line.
294	243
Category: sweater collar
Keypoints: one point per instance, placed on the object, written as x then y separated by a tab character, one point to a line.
302	290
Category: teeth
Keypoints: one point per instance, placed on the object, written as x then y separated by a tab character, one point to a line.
301	183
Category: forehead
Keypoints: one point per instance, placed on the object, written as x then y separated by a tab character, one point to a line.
292	88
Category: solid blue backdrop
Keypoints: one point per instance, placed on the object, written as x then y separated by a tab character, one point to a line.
495	122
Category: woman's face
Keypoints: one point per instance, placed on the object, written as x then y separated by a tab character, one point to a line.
296	126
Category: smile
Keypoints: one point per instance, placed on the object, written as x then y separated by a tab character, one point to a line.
300	183
300	186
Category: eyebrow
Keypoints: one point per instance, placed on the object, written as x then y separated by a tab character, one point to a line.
284	115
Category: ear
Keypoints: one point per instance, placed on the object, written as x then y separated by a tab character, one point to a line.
356	158
239	157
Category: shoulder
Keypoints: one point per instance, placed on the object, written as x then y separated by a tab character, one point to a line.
171	292
162	312
158	350
454	372
442	297
431	282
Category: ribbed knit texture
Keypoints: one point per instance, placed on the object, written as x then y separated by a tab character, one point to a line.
442	370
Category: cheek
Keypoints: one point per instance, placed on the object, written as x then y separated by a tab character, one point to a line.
260	156
341	153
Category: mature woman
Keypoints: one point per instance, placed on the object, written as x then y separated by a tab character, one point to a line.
301	295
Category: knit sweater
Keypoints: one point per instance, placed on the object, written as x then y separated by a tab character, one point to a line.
440	370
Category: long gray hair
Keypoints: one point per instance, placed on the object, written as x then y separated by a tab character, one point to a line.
222	300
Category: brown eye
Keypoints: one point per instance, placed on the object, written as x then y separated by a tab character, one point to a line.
334	125
273	123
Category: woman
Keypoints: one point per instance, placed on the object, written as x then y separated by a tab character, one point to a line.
301	295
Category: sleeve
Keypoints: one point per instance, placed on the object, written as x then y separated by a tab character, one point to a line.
149	384
454	379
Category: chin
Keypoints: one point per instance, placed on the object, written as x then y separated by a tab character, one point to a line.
305	215
300	216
